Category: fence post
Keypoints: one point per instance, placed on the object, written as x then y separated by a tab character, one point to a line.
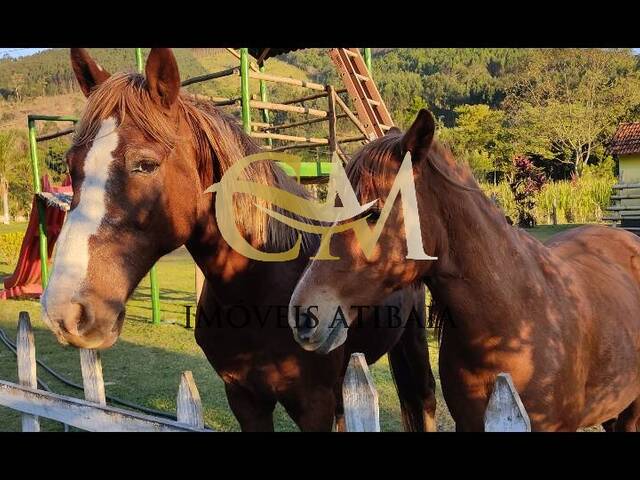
189	405
361	410
505	411
331	104
92	380
26	358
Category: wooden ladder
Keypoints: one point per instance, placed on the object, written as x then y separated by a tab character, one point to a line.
372	112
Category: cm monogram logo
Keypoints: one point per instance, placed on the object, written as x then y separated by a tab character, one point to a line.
350	216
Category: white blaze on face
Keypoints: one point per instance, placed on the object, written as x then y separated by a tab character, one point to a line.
71	258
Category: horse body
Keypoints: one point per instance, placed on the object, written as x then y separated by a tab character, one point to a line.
565	330
562	318
142	156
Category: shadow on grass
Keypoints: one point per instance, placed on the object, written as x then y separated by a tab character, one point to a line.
149	376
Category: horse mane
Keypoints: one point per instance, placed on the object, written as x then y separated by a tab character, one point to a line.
218	141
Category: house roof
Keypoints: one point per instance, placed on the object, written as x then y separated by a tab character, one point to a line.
626	140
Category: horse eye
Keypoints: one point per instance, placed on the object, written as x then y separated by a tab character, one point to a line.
145	166
374	215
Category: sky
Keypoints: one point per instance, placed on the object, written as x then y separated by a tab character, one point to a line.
21	52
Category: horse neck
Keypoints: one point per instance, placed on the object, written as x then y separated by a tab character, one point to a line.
482	260
233	276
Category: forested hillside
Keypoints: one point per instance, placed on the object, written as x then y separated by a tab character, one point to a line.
498	109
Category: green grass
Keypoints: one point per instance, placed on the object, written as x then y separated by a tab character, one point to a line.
13	227
145	365
545	232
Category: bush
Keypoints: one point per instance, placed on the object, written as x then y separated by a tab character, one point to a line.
580	200
10	244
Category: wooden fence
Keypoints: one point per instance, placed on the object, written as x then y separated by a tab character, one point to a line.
92	413
504	413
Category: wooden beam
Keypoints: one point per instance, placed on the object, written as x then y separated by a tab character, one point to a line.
50	136
189	405
351	116
361	410
624	186
505	411
82	414
305	99
92	380
294	146
287	108
291	138
26	358
286	80
211	76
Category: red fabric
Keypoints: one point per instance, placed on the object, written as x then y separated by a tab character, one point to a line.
26	278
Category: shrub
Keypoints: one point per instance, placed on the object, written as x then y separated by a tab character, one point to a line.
10	244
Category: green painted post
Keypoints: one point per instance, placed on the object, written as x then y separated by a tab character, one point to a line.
244	90
139	60
42	227
153	274
367	60
264	98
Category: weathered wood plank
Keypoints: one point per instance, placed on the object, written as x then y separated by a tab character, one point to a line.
82	414
505	411
361	410
188	402
27	373
93	382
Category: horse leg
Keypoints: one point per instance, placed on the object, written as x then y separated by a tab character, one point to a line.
629	418
409	360
313	410
339	423
609	425
254	412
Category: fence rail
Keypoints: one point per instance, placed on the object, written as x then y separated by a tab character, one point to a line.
505	411
91	414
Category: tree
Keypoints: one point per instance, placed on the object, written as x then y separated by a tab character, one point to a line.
571	100
12	160
17	82
478	138
7	149
525	182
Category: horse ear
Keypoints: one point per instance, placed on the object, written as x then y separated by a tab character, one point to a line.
88	72
163	76
420	134
393	131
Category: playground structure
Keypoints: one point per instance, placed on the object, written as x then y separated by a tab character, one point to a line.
371	120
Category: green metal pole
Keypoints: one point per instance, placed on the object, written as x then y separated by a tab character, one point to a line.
264	98
367	60
244	89
42	227
153	273
139	60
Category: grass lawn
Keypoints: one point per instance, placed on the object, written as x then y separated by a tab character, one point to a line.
145	365
13	227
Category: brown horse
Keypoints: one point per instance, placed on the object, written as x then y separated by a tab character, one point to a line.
563	318
142	156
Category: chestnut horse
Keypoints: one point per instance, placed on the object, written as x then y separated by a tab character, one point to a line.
142	156
563	318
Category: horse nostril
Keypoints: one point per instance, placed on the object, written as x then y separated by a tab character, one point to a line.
77	319
306	327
